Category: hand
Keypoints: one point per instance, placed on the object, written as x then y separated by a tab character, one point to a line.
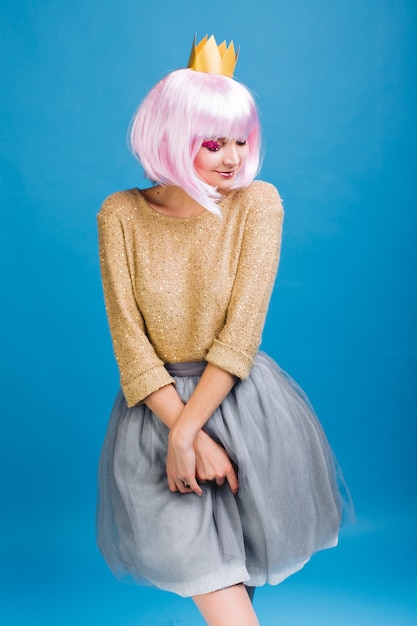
213	463
181	464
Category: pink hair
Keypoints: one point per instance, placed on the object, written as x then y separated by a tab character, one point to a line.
179	113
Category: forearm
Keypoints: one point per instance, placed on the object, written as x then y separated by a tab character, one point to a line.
166	404
211	390
191	452
213	387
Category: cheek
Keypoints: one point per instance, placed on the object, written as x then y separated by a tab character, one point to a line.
244	154
202	162
197	162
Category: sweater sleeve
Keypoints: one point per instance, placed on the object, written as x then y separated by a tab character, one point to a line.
141	370
235	347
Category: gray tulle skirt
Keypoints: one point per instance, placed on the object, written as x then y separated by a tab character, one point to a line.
290	504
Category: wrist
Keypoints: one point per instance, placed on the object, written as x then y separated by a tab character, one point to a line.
201	437
182	436
166	404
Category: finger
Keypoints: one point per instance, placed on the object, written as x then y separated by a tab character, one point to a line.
186	486
232	480
199	477
172	484
182	485
194	486
220	481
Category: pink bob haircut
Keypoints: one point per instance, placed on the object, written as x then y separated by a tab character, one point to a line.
184	109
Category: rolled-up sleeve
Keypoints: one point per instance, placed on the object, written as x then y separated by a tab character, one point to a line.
141	370
236	346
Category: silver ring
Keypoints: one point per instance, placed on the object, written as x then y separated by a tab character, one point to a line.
186	484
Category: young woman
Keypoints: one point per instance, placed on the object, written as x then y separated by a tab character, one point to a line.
215	472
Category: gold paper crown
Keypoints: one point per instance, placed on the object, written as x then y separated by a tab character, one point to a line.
208	57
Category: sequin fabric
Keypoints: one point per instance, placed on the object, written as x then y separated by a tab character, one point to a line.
187	289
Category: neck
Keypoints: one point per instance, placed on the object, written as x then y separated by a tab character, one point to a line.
172	201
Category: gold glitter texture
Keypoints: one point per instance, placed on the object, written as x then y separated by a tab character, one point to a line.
187	289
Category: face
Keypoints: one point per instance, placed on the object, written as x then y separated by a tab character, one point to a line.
218	161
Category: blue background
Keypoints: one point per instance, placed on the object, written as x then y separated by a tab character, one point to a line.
336	85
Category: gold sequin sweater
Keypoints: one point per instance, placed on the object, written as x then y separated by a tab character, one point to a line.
187	289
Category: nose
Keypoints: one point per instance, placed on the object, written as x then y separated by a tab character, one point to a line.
231	156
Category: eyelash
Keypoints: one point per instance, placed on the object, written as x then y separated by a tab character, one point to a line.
214	146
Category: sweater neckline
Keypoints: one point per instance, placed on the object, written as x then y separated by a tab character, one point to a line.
173	218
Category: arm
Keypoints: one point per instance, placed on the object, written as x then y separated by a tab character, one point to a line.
191	452
236	345
141	370
143	375
233	351
187	443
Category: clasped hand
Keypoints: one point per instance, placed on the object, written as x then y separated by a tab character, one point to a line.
193	461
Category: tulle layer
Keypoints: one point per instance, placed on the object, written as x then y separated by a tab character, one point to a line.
290	503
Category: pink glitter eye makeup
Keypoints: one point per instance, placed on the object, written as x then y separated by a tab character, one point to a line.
214	146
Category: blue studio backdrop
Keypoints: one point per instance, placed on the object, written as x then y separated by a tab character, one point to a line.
336	86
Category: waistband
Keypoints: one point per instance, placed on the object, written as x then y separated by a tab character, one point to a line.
190	368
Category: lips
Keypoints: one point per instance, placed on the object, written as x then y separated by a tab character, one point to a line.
226	174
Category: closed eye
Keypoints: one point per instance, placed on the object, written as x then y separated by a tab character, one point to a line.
211	145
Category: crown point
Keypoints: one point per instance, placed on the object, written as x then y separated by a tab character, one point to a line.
208	57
